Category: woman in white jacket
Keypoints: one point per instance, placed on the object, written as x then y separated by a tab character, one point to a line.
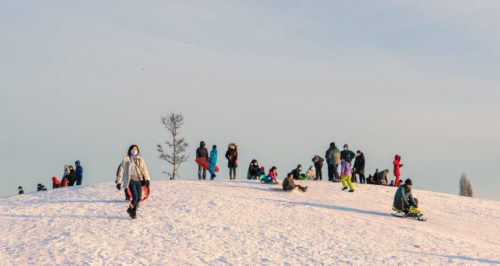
132	174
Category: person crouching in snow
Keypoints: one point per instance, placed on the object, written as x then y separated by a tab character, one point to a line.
213	161
311	173
404	200
397	169
346	175
132	173
56	183
289	184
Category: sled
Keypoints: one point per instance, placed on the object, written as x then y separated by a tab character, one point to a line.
145	193
204	164
413	213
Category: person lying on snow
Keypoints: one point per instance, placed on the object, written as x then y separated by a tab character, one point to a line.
404	200
289	184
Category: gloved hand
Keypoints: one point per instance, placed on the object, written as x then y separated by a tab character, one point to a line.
146	183
119	186
401	165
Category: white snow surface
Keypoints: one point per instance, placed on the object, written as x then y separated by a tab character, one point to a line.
245	223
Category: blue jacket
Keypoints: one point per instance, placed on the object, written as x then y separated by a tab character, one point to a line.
79	172
213	157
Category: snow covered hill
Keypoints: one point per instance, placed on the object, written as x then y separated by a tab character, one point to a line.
245	223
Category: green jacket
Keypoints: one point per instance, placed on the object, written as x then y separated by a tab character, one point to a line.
332	155
347	155
407	196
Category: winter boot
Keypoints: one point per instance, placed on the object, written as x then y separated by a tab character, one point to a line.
345	188
130	210
351	190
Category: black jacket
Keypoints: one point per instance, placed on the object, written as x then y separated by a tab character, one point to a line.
288	184
359	164
232	158
318	162
202	152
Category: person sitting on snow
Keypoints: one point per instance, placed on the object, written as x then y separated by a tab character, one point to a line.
403	199
297	172
56	183
253	170
289	184
272	177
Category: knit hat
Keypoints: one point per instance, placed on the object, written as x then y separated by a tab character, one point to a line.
408	182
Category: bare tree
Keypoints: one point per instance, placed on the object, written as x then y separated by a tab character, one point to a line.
177	146
465	187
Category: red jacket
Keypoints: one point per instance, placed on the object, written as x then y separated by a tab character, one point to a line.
273	175
397	165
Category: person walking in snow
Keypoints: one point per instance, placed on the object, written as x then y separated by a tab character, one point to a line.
403	199
79	173
359	167
232	160
202	152
332	157
289	184
132	174
213	162
318	164
346	175
397	169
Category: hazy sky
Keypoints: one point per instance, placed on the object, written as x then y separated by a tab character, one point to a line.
85	79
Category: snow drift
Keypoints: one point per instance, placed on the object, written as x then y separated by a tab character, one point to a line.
245	223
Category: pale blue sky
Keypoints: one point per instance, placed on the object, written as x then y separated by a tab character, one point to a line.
85	79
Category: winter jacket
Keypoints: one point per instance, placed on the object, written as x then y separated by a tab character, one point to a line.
318	162
273	175
79	172
311	173
359	164
232	158
397	165
288	184
347	155
407	196
332	156
124	170
213	157
56	183
71	178
346	169
296	173
202	152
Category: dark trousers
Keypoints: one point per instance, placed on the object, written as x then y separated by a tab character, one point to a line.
232	173
331	175
362	179
202	173
136	191
401	205
319	174
78	181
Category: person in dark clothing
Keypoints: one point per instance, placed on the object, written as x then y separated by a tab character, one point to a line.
71	176
253	170
318	164
232	160
289	184
20	190
40	187
347	154
296	172
403	199
380	178
202	152
332	157
359	168
79	173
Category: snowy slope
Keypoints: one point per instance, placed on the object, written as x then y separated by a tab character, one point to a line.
245	223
